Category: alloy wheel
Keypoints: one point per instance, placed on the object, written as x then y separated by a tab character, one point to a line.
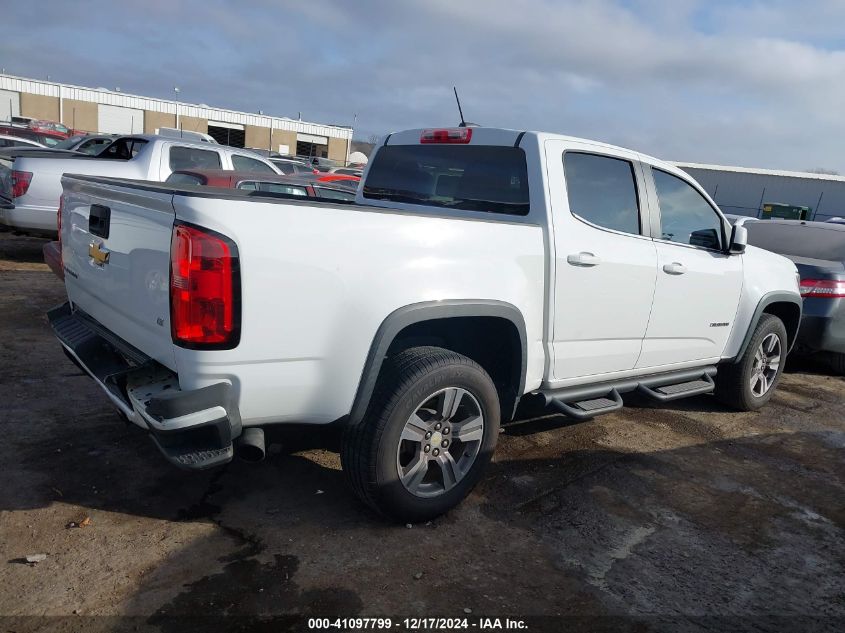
440	442
766	365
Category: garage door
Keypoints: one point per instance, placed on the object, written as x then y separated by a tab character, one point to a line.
10	104
119	120
231	134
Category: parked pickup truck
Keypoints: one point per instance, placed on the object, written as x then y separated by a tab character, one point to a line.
30	181
476	266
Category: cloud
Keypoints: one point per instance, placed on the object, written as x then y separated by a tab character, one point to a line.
751	83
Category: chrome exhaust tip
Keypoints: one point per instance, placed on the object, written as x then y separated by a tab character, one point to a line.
251	444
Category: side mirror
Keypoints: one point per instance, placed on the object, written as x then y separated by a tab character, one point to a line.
739	239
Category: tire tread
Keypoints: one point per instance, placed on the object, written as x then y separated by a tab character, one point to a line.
731	381
359	446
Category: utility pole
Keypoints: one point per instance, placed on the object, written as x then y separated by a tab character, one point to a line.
349	140
176	90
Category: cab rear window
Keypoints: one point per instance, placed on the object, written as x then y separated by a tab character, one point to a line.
469	177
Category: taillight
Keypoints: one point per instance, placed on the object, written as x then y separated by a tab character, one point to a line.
447	135
827	288
204	289
20	182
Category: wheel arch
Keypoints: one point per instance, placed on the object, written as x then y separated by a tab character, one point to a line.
401	328
784	305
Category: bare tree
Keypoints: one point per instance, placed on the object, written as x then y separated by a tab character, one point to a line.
822	170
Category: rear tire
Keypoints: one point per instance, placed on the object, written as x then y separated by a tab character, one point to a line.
749	383
429	433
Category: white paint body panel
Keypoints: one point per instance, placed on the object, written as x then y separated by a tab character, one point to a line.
318	280
130	293
689	309
602	310
313	302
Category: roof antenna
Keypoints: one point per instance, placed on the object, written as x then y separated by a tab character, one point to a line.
460	111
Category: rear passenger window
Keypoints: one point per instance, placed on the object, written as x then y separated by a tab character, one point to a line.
245	163
602	191
193	158
685	216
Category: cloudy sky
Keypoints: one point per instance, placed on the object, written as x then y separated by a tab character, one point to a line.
732	82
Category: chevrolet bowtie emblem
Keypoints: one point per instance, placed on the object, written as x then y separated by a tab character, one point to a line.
99	255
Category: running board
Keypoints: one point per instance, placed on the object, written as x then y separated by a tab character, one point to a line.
587	401
667	393
590	408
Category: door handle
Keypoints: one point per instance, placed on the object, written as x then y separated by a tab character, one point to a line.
583	259
675	268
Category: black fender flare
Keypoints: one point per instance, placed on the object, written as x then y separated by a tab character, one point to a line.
402	317
767	300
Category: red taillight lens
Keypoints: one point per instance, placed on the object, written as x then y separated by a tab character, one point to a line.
826	288
20	182
447	135
204	289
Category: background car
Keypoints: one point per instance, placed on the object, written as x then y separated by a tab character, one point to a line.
323	164
53	127
292	165
347	171
818	250
310	186
48	139
7	140
172	132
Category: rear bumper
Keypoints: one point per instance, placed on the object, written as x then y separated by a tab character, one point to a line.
52	253
193	429
33	219
822	326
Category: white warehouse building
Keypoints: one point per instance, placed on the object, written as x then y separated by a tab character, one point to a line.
115	112
745	191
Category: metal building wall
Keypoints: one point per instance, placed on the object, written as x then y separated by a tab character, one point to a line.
744	192
109	97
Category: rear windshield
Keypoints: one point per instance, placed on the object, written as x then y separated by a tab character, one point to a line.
470	177
798	240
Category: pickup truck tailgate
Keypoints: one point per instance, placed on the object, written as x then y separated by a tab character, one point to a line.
116	256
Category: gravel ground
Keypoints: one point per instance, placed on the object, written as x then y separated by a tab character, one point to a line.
685	516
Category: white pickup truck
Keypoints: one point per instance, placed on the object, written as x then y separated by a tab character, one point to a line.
30	181
477	265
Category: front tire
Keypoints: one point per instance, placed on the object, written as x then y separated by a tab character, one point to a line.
428	434
749	383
